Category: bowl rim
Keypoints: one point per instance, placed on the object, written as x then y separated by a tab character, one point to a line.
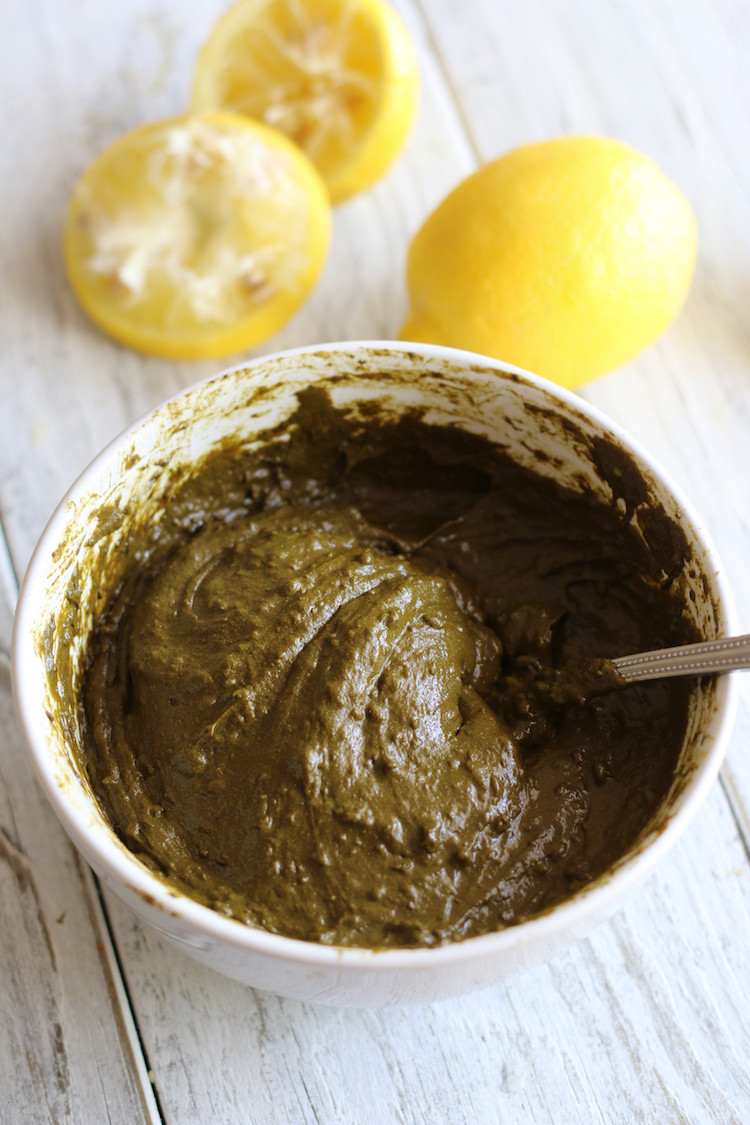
106	854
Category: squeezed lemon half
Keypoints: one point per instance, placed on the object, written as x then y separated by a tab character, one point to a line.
198	236
339	77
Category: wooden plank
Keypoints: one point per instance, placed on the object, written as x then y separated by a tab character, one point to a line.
68	1047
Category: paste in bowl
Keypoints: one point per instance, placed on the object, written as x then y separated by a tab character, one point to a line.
354	689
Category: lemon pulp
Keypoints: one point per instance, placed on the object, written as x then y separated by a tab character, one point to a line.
339	77
198	236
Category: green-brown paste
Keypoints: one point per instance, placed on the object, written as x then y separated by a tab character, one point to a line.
352	692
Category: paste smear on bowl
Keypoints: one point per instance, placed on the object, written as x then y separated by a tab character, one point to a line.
355	691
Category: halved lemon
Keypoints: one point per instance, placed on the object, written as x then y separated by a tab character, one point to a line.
339	77
198	236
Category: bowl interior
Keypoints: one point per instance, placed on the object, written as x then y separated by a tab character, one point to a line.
82	556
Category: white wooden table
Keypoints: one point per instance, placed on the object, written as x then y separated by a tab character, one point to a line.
649	1019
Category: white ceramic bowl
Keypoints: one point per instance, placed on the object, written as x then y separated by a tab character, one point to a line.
58	600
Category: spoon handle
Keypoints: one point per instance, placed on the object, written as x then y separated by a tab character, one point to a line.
687	660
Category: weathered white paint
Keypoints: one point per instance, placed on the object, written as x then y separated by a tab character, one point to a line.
648	1019
68	1046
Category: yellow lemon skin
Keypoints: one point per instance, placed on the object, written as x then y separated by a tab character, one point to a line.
196	237
565	257
339	77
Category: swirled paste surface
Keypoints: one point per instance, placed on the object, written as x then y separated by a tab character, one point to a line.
341	695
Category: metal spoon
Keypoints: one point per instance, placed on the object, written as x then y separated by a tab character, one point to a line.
687	660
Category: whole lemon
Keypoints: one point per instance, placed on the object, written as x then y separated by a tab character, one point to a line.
565	257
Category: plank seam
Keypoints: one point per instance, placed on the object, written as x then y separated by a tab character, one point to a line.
122	1005
736	809
161	1118
9	584
437	55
